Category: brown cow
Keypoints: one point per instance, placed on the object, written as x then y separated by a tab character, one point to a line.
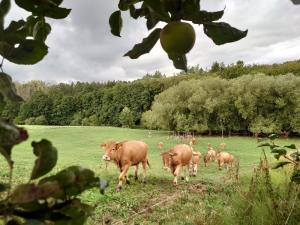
193	165
222	147
126	154
195	162
224	158
166	160
210	155
180	156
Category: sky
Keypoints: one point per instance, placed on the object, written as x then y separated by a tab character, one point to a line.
81	47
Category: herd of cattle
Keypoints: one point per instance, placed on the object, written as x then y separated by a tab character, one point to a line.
180	157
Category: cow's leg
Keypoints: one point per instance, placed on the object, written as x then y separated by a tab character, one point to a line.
122	176
220	164
195	169
144	163
136	171
186	171
176	172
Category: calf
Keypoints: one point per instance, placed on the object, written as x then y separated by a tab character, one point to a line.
224	158
210	155
195	162
125	154
166	160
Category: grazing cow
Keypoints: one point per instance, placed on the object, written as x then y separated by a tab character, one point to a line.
126	154
210	155
195	162
222	147
180	156
224	158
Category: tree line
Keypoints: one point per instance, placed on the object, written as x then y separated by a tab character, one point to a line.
121	103
257	104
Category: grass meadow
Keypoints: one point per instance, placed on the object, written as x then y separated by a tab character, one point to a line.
213	197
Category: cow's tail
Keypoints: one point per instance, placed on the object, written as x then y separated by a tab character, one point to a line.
148	164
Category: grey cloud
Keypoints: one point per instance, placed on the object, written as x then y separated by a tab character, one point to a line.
82	48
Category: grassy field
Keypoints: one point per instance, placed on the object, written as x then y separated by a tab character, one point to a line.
202	200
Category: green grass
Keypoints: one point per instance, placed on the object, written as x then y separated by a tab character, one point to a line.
200	201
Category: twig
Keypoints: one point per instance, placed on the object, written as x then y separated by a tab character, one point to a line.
288	158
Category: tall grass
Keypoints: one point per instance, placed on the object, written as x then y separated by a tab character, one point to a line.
272	199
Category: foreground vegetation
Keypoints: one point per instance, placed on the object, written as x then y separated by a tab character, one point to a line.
213	197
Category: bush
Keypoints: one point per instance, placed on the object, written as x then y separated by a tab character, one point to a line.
40	120
30	121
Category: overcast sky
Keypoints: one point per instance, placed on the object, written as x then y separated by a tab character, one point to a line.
81	47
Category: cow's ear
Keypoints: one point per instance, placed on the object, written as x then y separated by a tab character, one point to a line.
103	145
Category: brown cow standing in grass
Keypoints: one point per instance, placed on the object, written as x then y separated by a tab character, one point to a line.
224	158
210	155
180	156
126	154
166	160
195	162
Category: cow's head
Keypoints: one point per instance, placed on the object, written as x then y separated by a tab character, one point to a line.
110	149
166	160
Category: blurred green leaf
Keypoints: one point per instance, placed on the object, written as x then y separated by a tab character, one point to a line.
74	180
296	156
47	157
28	193
151	18
200	17
146	45
125	4
27	52
15	32
179	61
281	164
30	23
222	33
264	145
296	176
4	8
41	30
3	187
13	222
76	211
33	222
10	135
278	150
48	8
292	146
115	22
7	88
157	7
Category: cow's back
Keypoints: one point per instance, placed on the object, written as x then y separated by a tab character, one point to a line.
134	151
225	157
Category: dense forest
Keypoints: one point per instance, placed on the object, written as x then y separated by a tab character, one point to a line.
230	98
